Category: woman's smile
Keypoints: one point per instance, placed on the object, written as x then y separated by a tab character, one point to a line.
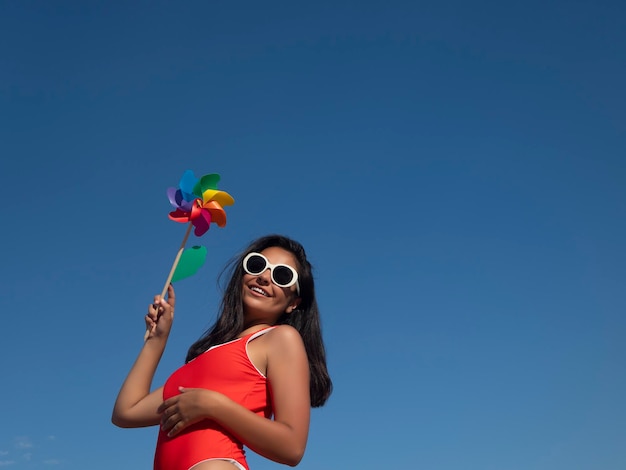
258	290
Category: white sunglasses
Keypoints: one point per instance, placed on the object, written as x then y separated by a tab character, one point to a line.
282	275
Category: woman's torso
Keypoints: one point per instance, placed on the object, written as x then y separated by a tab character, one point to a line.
225	368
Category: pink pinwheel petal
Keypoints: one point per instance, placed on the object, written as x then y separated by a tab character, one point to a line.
202	223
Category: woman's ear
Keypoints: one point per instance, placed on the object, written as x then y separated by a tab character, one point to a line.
294	305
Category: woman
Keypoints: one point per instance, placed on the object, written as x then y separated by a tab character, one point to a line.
263	357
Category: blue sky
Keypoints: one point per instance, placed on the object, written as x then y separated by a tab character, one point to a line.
456	172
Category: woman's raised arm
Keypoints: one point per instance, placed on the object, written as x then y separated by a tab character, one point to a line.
135	405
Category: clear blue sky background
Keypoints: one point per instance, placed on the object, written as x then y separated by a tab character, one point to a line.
456	171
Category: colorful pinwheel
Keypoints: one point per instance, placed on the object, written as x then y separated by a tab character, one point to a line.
199	203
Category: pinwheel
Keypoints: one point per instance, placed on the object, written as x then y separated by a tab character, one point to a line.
199	203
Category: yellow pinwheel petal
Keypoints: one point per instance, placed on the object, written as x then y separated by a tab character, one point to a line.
222	197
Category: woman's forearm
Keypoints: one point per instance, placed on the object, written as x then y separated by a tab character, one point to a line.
272	439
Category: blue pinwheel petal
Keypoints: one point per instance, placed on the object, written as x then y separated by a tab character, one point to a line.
187	184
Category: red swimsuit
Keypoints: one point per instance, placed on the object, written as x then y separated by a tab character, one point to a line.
225	368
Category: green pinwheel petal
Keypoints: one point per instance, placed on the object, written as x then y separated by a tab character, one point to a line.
190	261
206	182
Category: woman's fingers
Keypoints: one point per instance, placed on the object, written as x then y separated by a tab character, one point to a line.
172	426
171	420
160	315
169	423
171	295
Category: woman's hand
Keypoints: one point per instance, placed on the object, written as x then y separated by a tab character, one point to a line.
181	411
160	315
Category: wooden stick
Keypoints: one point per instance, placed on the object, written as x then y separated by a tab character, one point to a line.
176	260
174	265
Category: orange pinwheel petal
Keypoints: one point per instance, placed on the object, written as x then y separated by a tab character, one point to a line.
218	214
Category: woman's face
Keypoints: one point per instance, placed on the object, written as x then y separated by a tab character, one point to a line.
263	300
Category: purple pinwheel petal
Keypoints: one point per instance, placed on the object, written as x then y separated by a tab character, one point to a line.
171	195
186	205
202	223
178	200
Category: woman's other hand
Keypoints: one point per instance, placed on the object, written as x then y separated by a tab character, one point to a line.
187	408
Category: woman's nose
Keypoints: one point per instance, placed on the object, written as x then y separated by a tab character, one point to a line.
265	276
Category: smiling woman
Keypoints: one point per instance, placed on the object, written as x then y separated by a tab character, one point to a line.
249	381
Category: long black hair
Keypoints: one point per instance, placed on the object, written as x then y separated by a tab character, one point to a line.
305	318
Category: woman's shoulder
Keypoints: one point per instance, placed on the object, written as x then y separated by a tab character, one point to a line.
285	332
285	336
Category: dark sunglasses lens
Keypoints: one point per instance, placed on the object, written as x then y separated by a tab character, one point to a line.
282	275
256	264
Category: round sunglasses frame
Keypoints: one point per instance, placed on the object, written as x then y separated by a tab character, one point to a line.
271	267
